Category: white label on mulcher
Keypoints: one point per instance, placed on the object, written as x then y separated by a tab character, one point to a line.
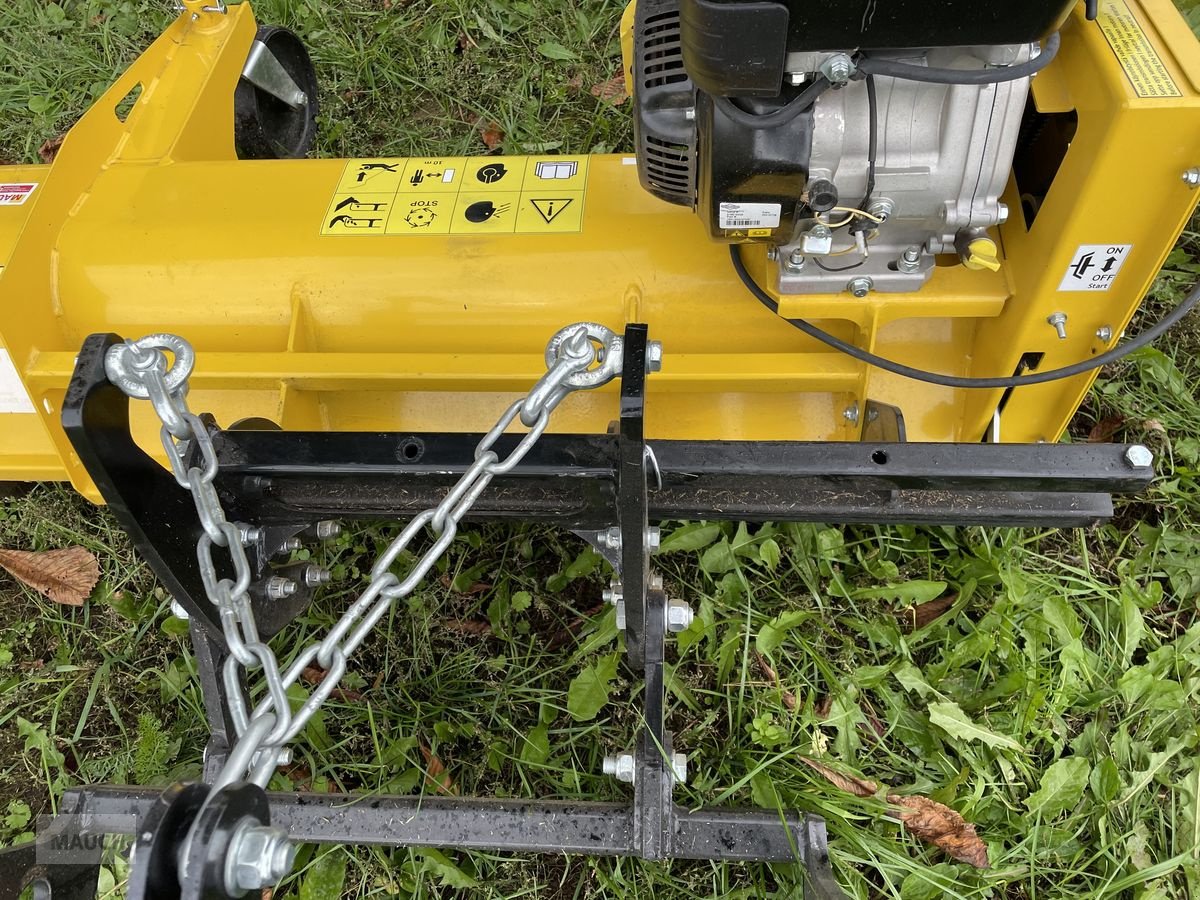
750	215
13	398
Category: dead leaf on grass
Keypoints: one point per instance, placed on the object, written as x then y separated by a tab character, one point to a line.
789	699
1102	432
49	150
917	617
436	775
851	784
938	824
491	133
468	626
65	576
611	91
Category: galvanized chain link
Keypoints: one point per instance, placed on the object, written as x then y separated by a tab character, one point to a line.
579	357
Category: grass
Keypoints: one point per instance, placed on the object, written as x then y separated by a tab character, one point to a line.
1074	657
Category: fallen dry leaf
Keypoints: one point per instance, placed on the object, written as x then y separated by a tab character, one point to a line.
65	576
465	42
789	699
917	617
851	784
492	134
477	588
1102	432
49	150
313	675
468	626
611	91
436	775
938	824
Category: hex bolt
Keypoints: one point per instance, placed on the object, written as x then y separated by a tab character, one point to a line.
1104	333
653	538
795	261
679	616
611	539
249	533
290	545
679	767
656	581
1002	213
772	253
838	68
690	114
1059	321
850	413
315	576
910	260
178	611
882	208
1139	457
258	857
280	588
328	530
621	767
1192	177
654	356
860	287
282	755
613	592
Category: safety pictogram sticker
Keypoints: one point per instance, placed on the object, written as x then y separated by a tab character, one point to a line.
459	195
16	194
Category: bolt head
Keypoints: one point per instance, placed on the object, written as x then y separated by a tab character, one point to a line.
882	208
178	611
850	413
1192	177
612	538
612	595
653	538
654	356
621	623
1139	457
860	287
772	253
690	114
1104	333
314	576
679	767
679	616
280	588
259	856
328	529
621	767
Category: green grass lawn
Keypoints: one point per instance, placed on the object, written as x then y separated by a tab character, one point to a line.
1051	700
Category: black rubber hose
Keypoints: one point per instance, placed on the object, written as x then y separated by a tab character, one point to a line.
871	65
954	381
1092	8
801	103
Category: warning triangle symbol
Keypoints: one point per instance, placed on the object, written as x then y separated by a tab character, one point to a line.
549	209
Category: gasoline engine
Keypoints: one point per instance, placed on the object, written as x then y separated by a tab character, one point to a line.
860	141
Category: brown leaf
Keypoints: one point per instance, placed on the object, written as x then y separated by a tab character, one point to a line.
477	588
824	705
1154	425
65	576
575	82
1102	432
491	133
49	150
436	775
789	699
851	784
313	675
611	91
465	42
941	826
468	626
917	617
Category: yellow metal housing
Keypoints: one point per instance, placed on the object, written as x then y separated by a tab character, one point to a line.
151	224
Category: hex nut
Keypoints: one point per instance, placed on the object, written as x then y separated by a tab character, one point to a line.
621	767
328	529
654	356
280	588
259	856
679	616
611	539
1139	457
860	287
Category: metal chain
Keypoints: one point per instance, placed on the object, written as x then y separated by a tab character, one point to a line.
580	357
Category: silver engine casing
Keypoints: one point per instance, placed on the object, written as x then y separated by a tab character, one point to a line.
944	158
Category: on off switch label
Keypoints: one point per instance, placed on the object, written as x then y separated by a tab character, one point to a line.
459	195
1095	267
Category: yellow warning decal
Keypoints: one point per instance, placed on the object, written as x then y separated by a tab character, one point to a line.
459	195
1143	66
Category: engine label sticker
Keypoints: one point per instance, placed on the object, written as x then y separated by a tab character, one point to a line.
16	194
13	398
459	195
1143	66
749	215
1095	267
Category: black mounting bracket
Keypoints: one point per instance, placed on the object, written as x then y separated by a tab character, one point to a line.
285	482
